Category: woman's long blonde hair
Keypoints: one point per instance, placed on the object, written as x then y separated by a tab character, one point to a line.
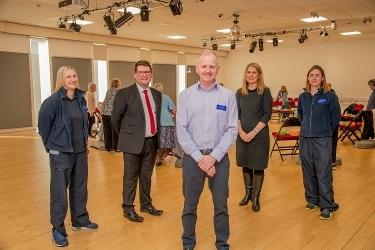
260	83
61	75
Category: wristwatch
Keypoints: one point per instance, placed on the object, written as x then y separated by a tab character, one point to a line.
256	130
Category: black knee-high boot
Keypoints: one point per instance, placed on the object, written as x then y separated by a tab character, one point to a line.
257	187
248	181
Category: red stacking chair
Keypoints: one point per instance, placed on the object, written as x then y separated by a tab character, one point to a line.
350	128
293	124
276	109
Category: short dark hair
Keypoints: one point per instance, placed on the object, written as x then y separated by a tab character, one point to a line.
371	82
142	63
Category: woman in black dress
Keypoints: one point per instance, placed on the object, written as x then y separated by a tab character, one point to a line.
254	101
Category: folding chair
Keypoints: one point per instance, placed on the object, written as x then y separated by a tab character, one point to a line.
350	128
283	135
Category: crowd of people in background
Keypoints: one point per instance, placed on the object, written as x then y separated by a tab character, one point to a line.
142	122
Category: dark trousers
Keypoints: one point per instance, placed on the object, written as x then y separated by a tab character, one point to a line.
335	138
193	182
68	170
139	166
91	122
315	155
110	134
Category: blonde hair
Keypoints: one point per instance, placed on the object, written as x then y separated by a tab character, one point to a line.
323	84
158	86
61	76
115	83
260	83
284	88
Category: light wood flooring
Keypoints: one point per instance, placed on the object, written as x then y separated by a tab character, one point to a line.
282	222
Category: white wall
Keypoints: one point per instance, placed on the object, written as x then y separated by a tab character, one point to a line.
348	67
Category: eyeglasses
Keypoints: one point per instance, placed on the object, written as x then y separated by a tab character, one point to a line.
147	73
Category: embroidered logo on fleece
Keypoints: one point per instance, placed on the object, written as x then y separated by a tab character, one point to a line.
85	108
322	101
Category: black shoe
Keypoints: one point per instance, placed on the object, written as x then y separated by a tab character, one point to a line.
133	217
152	210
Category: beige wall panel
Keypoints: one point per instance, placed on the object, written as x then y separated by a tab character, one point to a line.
121	53
145	55
73	49
163	57
348	67
2	26
14	43
181	59
99	52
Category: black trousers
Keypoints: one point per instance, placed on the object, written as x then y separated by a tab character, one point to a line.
139	166
68	170
315	155
91	122
110	134
193	182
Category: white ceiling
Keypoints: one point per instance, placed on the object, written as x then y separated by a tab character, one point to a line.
200	20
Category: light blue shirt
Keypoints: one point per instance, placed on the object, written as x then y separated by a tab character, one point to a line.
166	108
207	119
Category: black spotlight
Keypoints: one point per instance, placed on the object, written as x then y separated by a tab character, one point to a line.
214	46
204	44
144	13
233	45
62	25
123	19
302	38
260	44
253	46
275	42
74	27
176	7
110	25
323	32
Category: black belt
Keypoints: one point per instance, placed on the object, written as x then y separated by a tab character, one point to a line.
206	151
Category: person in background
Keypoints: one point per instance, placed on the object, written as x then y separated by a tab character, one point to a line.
371	100
319	112
62	124
136	118
254	102
91	104
282	95
335	135
168	110
206	129
110	135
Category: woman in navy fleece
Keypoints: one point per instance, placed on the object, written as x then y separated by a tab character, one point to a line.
319	113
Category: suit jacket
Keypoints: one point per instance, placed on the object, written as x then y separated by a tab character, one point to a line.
128	118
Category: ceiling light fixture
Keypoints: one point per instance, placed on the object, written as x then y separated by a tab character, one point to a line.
350	33
233	45
176	7
144	12
260	41
214	43
123	19
235	30
74	27
367	20
323	32
108	19
303	37
275	42
253	46
314	17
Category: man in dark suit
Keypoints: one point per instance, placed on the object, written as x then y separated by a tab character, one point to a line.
136	118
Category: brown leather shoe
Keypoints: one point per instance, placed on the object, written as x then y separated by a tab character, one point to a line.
133	217
151	210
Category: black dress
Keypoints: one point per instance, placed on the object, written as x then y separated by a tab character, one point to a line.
253	108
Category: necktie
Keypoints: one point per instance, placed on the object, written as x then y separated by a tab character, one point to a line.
150	113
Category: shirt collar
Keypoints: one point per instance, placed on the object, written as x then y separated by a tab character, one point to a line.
140	89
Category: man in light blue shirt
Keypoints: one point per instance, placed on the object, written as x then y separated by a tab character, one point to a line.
207	127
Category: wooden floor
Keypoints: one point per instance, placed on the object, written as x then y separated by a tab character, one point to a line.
282	222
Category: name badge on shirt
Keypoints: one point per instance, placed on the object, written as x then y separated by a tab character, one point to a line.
221	107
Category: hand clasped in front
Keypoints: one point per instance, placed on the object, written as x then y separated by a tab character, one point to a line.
206	163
